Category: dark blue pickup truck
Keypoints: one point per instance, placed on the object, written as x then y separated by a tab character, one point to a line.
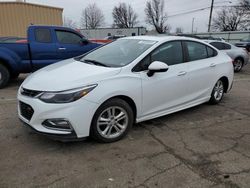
44	45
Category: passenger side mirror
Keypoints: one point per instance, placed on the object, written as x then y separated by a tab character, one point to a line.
84	41
157	66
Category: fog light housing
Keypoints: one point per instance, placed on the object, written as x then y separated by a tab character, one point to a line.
58	124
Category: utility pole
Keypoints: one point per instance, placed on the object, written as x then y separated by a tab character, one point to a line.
86	19
193	25
210	16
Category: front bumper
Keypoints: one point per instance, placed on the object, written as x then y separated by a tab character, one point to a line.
78	113
61	137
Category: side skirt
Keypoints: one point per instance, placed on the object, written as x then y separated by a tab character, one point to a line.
175	109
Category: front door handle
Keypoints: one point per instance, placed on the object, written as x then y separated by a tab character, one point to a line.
212	65
182	73
61	48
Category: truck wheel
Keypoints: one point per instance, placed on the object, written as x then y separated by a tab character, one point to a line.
4	76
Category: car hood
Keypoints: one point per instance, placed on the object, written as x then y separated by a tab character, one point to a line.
67	74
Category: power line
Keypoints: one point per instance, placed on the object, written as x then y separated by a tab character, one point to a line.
197	10
190	11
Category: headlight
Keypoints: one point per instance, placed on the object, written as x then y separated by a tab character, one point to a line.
66	96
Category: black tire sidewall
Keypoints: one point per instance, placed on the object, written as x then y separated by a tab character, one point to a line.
112	102
5	76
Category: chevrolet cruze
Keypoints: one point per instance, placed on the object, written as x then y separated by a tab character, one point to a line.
104	92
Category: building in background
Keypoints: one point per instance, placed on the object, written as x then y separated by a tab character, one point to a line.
101	33
15	17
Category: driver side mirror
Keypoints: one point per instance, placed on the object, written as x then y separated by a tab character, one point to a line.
157	66
84	41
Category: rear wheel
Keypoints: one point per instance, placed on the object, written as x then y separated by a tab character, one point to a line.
112	121
217	93
4	76
238	64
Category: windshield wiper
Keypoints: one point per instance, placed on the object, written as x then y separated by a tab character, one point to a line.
96	62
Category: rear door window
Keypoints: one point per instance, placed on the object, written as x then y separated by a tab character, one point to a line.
196	51
211	52
43	35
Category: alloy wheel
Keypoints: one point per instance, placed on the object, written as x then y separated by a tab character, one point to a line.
218	90
112	122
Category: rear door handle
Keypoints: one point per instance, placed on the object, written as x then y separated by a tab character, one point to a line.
182	73
212	65
61	48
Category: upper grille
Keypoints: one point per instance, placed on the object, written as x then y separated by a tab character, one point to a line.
30	93
26	110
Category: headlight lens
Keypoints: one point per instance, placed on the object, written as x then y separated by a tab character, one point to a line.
66	96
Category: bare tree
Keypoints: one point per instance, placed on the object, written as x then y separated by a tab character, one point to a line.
156	15
234	18
67	22
245	4
92	17
124	16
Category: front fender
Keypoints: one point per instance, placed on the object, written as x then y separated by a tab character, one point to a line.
129	86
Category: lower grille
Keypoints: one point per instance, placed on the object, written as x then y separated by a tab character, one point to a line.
26	110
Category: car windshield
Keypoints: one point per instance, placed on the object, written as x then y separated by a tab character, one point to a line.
118	53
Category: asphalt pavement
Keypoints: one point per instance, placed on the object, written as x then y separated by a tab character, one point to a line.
205	146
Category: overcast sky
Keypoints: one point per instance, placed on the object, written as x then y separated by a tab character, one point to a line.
73	9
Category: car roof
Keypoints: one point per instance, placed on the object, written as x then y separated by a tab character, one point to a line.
162	38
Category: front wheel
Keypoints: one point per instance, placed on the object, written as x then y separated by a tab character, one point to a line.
217	93
112	121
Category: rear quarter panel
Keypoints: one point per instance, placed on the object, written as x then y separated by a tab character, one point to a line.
225	68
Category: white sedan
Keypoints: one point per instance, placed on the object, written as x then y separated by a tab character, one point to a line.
104	92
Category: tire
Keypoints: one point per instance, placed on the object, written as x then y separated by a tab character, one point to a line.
106	127
217	93
14	76
238	64
4	76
